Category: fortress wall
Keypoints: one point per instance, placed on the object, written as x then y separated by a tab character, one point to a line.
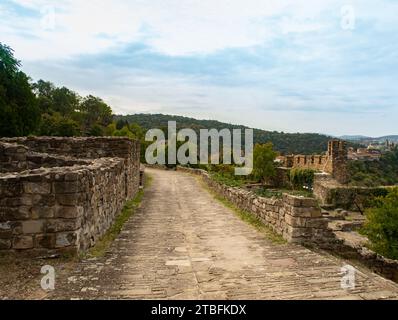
66	204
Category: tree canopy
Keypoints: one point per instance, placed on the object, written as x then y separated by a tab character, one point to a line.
19	112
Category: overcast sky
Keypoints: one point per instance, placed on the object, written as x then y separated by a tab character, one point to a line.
294	65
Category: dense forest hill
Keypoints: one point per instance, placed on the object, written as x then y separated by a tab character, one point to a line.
285	143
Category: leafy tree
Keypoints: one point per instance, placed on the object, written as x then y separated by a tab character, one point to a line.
19	112
58	125
96	131
95	112
121	123
263	161
110	129
44	93
8	63
65	101
381	225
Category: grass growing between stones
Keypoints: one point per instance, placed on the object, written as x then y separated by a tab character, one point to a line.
247	217
129	209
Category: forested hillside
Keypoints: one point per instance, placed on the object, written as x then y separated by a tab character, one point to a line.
304	143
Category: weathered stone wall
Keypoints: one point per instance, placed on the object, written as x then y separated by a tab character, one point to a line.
66	208
315	162
330	193
297	219
88	148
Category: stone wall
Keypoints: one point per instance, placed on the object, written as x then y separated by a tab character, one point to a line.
64	206
296	219
332	194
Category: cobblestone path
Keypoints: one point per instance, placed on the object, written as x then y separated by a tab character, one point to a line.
183	244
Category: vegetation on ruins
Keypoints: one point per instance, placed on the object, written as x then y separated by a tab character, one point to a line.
302	178
381	226
375	173
278	193
264	162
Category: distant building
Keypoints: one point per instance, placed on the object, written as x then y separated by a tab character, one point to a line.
371	153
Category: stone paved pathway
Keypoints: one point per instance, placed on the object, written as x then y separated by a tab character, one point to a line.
183	244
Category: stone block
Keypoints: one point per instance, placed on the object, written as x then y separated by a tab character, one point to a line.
71	176
305	212
37	187
292	200
44	200
41	212
22	242
309	202
32	226
296	232
45	241
5	244
5	234
65	239
12	214
61	225
66	187
71	199
295	221
69	212
318	223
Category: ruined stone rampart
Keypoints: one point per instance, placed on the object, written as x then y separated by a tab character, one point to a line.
333	162
66	200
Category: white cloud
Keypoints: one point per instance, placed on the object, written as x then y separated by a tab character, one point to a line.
175	27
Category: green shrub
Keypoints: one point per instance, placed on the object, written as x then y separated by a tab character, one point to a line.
264	162
228	180
381	225
300	178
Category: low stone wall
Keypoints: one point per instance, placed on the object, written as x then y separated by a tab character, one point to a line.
330	193
297	219
66	208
